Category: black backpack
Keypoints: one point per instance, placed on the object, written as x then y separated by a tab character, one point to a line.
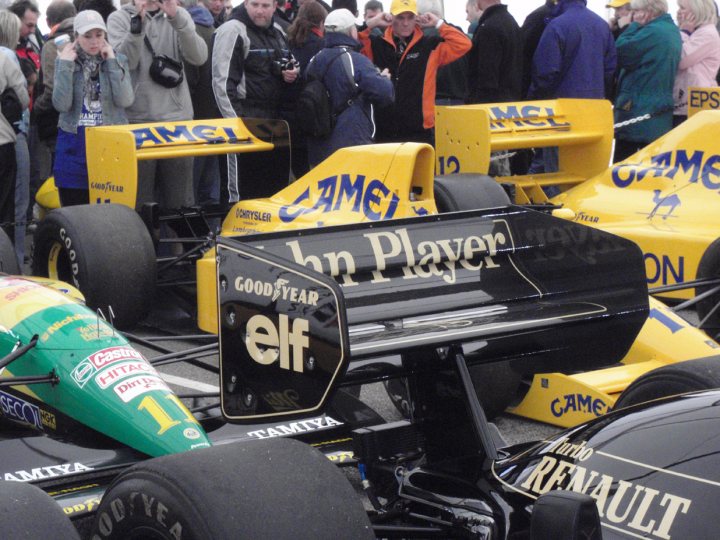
313	110
11	108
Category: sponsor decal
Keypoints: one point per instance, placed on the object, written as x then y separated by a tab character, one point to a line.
19	290
131	388
184	134
254	215
113	374
695	167
586	218
632	507
267	343
85	506
191	433
287	400
577	403
57	325
18	409
373	199
42	473
702	99
106	187
528	116
94	331
342	456
276	290
87	368
428	258
664	269
294	428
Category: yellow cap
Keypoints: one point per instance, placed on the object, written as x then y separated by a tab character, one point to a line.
403	6
617	3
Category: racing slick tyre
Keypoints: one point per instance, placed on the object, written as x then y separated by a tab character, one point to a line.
673	379
274	488
28	512
709	307
455	192
8	259
104	250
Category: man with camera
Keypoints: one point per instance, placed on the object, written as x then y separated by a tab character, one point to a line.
252	69
156	37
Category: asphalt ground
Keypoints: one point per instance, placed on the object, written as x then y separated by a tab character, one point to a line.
187	379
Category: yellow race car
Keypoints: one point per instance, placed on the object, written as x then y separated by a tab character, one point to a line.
107	250
661	197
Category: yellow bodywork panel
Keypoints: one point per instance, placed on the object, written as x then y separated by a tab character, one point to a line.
354	185
567	400
466	135
113	151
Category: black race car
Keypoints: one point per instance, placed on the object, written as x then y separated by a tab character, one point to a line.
425	299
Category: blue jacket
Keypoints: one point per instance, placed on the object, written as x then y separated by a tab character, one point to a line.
576	55
353	77
115	89
648	58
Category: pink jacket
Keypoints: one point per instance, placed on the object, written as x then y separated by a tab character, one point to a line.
699	63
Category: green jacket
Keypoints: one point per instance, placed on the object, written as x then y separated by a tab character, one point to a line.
648	58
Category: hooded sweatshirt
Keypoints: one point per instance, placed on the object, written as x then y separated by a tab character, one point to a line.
175	38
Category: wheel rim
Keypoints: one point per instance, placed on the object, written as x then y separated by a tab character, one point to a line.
59	264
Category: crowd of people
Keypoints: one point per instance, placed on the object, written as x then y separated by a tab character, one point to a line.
98	65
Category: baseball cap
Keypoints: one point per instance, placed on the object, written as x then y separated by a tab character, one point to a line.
87	20
403	6
617	3
339	20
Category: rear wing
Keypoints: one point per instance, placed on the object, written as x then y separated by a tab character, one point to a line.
113	152
582	129
298	308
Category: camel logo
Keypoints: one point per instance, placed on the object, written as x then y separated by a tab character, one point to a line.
670	202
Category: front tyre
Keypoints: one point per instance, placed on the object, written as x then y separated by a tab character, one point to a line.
28	512
673	379
105	251
276	488
708	309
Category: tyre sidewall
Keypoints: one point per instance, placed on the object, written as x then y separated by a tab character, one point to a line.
147	503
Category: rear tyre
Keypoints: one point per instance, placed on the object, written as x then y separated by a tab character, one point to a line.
709	267
104	250
262	489
673	379
496	386
8	259
29	512
455	192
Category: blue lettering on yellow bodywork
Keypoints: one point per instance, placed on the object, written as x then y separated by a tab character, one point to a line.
661	269
665	320
577	403
343	193
526	116
183	134
697	167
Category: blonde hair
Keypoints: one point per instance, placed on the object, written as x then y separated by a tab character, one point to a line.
9	29
656	7
704	11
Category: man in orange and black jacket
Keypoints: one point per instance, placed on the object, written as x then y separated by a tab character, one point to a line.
413	59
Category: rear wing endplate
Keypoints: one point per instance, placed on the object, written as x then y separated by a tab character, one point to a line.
582	129
297	308
113	152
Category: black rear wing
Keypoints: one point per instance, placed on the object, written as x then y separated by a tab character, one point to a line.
297	308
